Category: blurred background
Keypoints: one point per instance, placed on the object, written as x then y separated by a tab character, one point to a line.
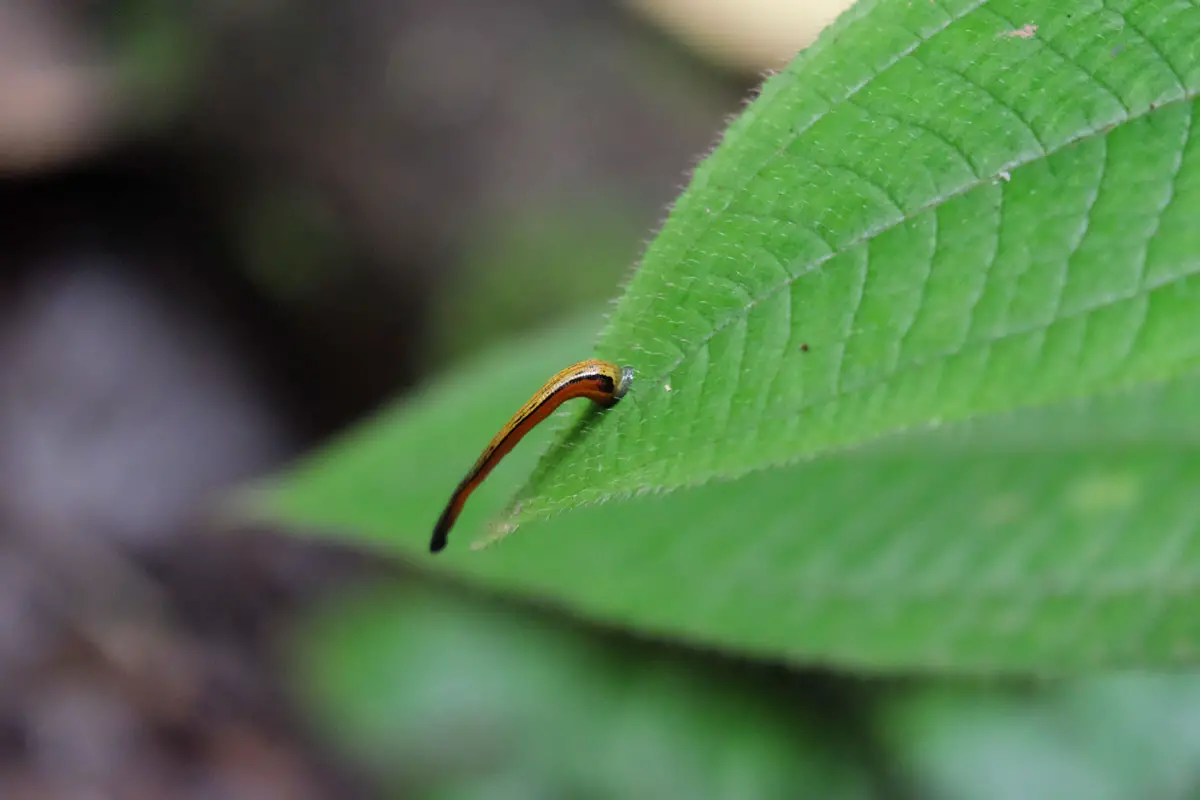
229	230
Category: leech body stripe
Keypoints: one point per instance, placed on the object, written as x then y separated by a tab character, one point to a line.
602	382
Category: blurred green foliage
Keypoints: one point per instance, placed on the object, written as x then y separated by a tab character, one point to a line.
473	699
1131	736
535	268
445	695
158	51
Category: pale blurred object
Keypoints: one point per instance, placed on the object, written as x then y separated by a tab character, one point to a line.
57	99
745	35
122	410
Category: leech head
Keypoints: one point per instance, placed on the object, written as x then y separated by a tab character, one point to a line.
623	384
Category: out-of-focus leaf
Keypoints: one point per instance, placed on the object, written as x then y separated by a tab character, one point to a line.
921	601
466	700
533	268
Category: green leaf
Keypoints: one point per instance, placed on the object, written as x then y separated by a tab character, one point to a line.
926	218
916	363
466	700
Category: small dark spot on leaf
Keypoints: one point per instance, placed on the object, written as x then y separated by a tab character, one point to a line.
804	347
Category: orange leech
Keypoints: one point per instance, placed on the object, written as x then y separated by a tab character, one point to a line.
602	382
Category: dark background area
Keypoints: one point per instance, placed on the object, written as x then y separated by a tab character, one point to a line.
229	230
